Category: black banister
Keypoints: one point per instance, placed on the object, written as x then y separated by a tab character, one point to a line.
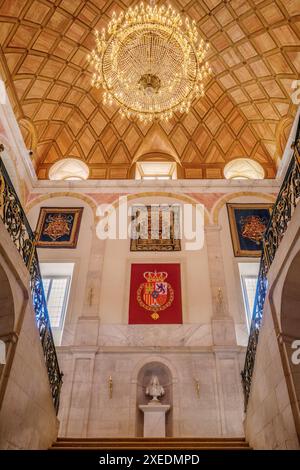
17	225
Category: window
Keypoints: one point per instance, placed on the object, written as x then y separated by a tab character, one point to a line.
156	177
243	168
248	276
154	170
57	280
56	292
249	289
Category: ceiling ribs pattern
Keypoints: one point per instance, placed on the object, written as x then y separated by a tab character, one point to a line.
255	56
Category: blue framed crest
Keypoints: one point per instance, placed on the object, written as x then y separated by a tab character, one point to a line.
58	227
248	223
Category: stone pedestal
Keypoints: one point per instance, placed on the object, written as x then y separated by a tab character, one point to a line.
154	419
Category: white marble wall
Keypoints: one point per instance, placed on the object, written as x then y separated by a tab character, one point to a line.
87	410
100	343
269	422
27	416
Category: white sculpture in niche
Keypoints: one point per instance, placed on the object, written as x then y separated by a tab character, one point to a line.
154	389
154	412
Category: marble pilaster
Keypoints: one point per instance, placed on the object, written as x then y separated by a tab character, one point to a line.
223	330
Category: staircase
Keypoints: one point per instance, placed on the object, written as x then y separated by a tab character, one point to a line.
134	443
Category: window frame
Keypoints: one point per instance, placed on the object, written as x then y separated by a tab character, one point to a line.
246	297
156	177
170	173
66	296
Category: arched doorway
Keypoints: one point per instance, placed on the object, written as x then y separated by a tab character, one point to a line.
290	326
6	328
165	379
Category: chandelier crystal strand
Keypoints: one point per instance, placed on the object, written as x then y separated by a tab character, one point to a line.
150	62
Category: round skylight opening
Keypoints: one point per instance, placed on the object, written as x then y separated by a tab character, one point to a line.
243	168
69	169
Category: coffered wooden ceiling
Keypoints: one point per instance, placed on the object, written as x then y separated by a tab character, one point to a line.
247	110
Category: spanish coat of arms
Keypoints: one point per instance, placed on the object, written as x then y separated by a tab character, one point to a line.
155	294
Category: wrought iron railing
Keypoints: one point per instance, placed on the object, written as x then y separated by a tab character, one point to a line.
17	225
282	212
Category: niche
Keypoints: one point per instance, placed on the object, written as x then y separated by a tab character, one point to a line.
165	379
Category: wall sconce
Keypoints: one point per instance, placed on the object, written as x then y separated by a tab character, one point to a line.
220	301
91	296
220	296
110	387
197	387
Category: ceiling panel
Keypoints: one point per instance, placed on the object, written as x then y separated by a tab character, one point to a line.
255	57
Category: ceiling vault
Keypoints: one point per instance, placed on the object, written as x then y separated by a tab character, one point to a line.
246	110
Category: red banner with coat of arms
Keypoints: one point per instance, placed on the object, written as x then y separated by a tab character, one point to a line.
155	294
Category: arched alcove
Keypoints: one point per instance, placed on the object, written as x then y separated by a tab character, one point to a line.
243	168
7	316
69	169
156	164
290	325
165	379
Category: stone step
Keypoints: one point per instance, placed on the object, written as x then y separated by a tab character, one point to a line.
144	439
124	443
181	448
141	445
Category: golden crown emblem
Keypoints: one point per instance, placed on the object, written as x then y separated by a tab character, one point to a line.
155	276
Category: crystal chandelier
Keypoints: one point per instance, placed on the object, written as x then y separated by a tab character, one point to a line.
150	62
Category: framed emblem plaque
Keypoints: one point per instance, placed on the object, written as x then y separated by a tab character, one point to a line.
155	293
155	228
58	227
248	223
